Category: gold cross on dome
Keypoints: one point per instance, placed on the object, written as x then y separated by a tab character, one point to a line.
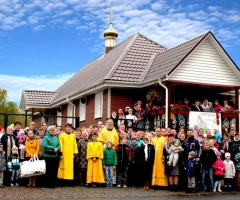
110	10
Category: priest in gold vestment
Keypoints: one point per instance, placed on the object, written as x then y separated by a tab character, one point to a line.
109	133
158	177
94	158
68	147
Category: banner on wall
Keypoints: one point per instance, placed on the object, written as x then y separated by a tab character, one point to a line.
204	120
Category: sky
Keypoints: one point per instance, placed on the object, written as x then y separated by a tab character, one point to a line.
44	42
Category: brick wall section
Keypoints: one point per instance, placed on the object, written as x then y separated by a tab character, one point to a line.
124	97
120	99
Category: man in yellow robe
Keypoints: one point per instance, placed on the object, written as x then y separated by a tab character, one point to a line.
94	157
158	177
109	133
68	147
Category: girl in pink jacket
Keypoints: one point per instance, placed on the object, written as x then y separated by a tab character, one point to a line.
218	171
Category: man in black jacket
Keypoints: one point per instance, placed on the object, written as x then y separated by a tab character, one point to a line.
197	106
191	144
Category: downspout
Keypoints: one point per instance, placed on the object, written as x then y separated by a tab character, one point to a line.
167	106
74	110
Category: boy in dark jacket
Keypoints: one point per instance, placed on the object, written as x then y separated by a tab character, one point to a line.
123	159
207	158
109	163
192	166
14	166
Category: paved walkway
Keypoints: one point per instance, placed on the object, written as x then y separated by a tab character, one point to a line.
69	193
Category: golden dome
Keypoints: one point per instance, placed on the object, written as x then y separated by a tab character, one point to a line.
110	31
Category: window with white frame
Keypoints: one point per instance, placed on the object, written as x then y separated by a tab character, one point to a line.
59	118
98	104
82	111
70	113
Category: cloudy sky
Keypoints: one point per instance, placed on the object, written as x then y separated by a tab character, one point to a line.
44	42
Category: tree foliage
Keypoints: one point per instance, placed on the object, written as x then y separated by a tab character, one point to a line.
8	107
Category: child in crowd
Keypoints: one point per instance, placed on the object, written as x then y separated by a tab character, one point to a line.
109	163
14	166
173	158
215	144
217	135
207	158
2	164
2	131
94	157
191	171
211	143
230	172
21	142
123	159
218	168
237	164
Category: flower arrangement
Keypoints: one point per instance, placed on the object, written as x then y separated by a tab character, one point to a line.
158	110
180	109
230	113
154	96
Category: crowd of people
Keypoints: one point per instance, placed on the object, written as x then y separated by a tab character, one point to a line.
116	155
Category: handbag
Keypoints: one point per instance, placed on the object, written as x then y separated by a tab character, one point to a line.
33	167
39	166
49	151
26	168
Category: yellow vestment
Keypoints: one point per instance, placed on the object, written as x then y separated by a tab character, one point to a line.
108	135
68	147
94	168
158	177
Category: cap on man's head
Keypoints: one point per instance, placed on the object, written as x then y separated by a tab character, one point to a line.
236	133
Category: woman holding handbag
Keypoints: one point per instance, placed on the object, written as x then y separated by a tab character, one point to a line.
51	147
32	147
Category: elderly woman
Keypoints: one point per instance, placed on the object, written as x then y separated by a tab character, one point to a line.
8	140
51	147
82	161
32	147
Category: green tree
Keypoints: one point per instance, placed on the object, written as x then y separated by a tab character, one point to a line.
8	107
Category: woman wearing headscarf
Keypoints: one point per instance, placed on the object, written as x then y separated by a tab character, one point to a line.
51	147
146	155
8	140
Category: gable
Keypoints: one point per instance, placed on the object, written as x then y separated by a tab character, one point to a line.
207	64
166	61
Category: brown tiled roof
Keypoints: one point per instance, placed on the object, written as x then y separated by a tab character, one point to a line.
125	62
38	97
134	64
168	60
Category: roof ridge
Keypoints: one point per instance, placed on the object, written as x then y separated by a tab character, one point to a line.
122	56
152	40
37	91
